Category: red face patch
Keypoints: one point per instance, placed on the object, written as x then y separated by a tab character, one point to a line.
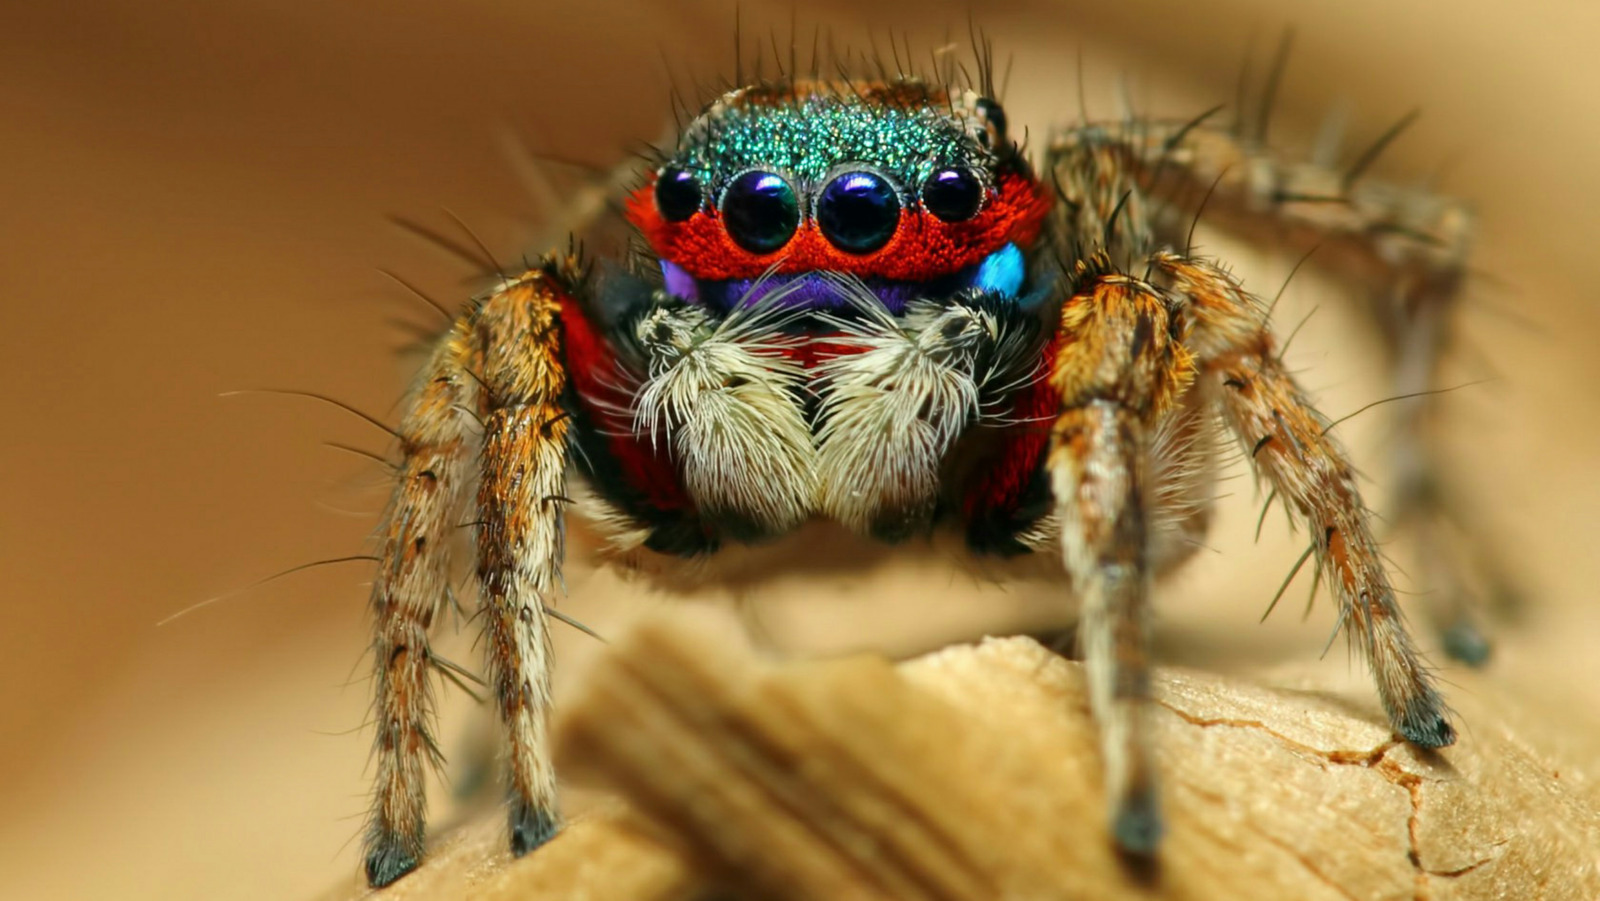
923	246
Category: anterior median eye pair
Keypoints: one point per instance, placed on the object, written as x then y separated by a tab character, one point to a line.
857	211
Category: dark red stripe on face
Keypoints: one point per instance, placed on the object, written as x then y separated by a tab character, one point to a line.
1005	475
923	246
822	348
599	384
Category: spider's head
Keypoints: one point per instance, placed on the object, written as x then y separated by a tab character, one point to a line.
917	191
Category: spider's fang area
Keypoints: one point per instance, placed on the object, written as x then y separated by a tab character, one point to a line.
390	858
530	827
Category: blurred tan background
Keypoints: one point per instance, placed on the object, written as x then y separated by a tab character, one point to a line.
191	202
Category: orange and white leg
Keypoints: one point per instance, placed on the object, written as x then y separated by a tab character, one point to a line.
1404	248
1120	368
521	490
438	443
499	366
1288	443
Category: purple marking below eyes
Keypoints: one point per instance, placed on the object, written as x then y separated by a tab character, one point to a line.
1000	274
811	291
679	283
808	290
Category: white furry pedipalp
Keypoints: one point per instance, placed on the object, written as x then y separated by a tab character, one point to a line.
724	396
892	410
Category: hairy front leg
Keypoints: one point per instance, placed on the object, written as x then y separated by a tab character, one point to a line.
521	490
499	367
1287	441
1120	368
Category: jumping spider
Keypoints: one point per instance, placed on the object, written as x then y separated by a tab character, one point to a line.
857	301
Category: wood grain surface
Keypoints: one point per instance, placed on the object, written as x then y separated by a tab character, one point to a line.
971	774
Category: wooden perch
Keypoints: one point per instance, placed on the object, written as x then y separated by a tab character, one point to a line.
972	774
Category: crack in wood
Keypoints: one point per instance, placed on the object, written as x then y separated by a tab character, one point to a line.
1375	760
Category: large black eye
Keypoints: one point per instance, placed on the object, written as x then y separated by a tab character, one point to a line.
858	212
677	194
761	211
953	195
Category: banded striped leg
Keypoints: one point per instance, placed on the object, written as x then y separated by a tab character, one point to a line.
1404	247
520	491
1287	442
1120	368
438	441
513	339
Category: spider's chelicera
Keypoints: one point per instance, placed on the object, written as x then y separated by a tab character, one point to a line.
860	303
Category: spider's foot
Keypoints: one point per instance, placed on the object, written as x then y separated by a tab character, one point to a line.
1136	830
1464	642
1425	725
390	856
531	826
1137	827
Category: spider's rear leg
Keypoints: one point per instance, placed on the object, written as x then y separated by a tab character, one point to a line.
1427	503
1120	369
1287	441
1405	248
438	441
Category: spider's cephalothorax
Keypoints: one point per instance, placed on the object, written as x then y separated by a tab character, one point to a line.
857	302
844	291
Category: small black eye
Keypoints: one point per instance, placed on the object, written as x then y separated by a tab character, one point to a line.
953	195
858	212
761	211
677	194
